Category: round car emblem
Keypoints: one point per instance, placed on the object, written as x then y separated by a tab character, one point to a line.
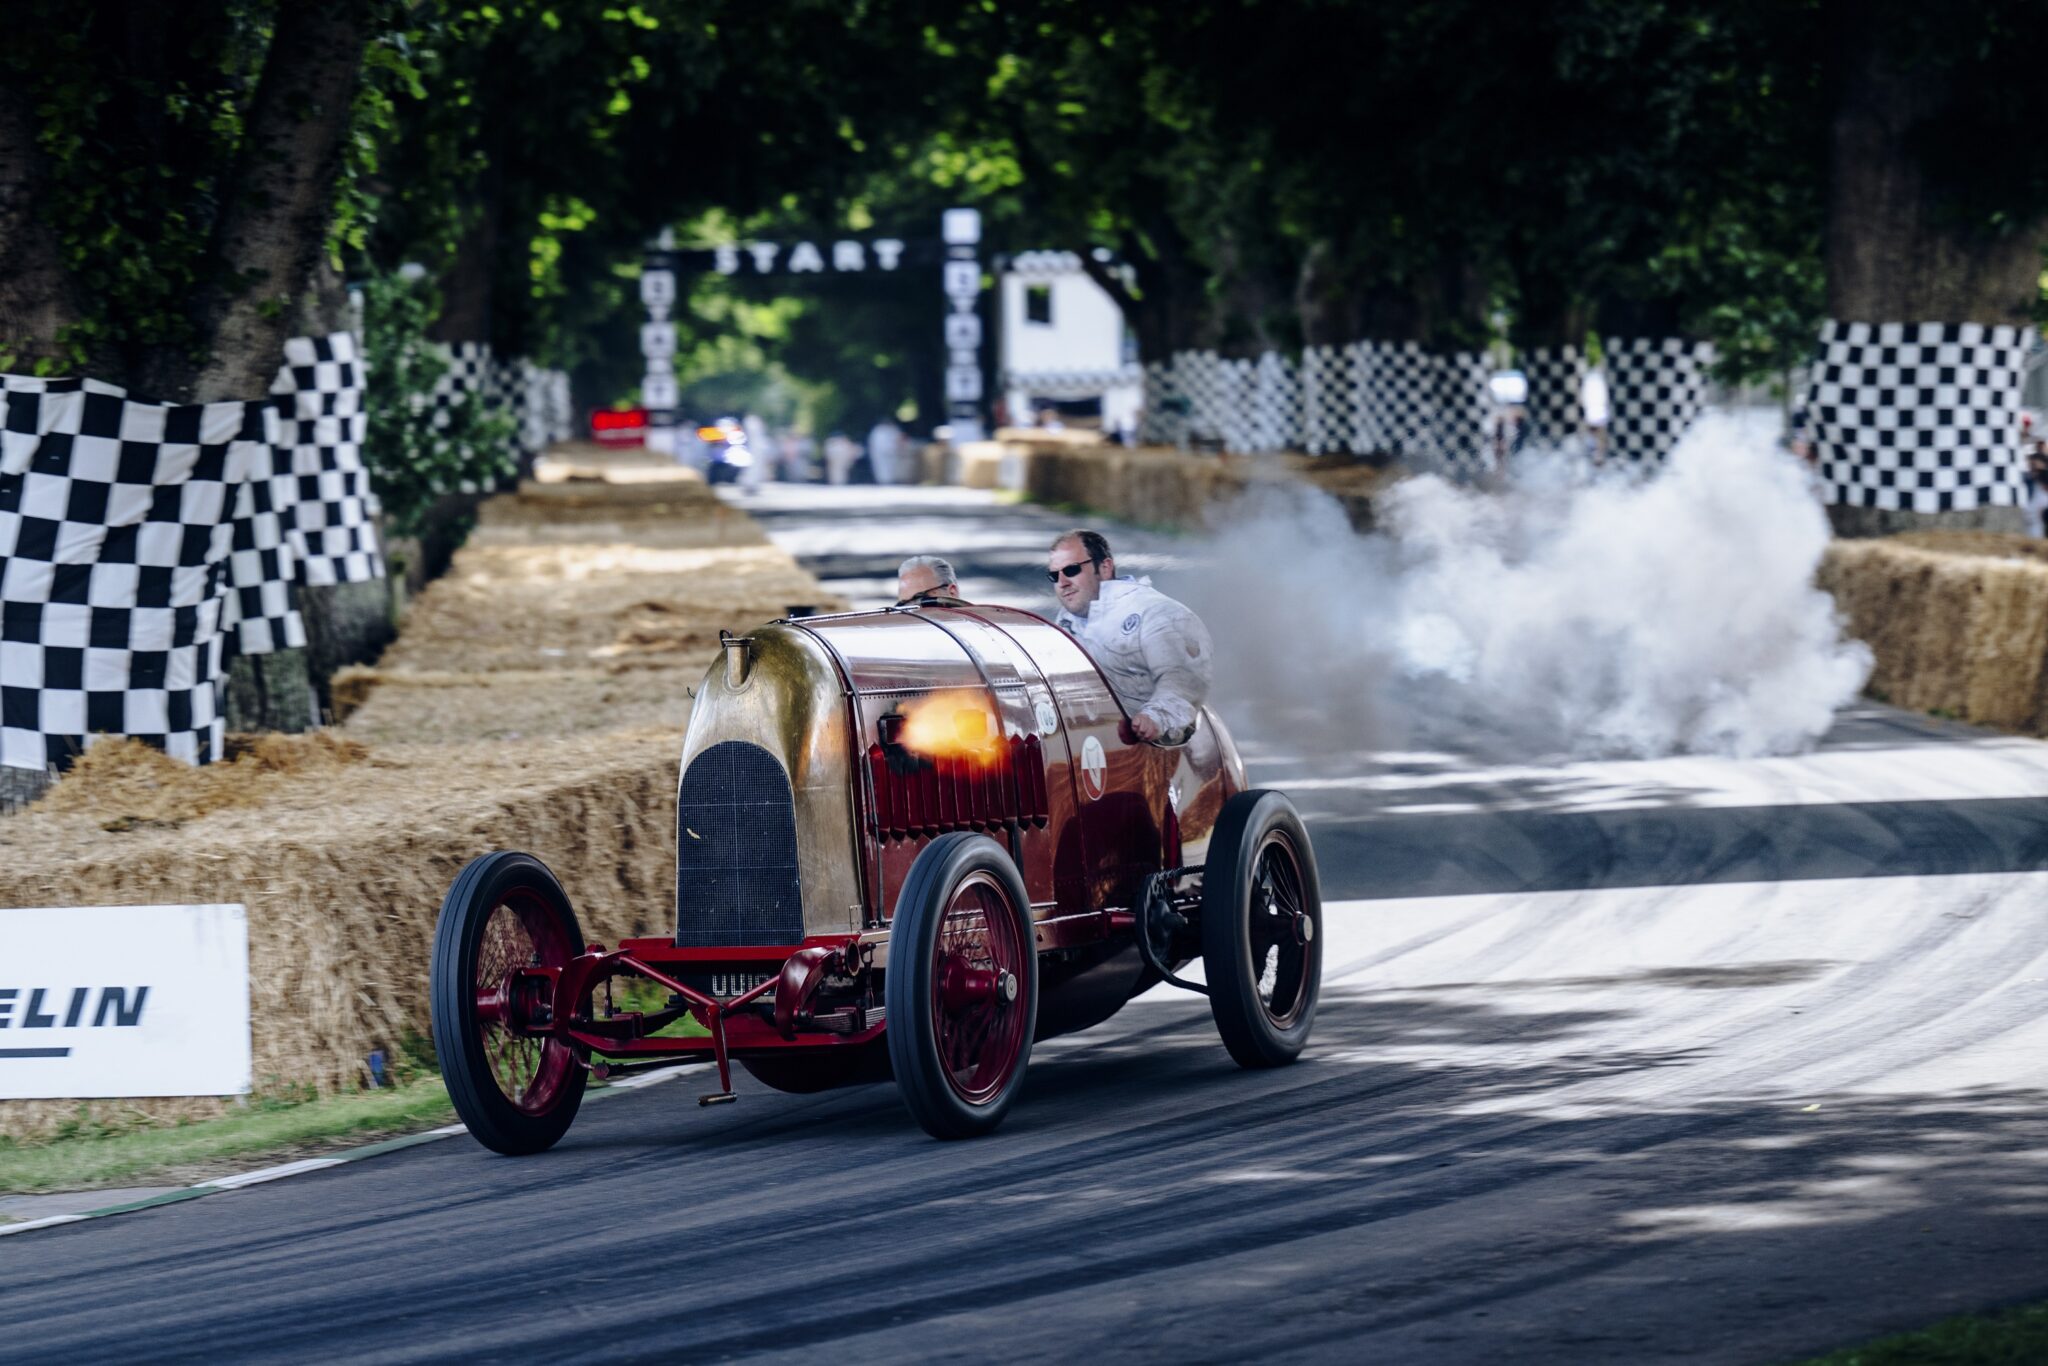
1094	767
1048	720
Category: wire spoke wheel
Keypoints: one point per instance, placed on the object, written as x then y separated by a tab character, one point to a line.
1261	929
976	1024
962	986
515	1084
520	932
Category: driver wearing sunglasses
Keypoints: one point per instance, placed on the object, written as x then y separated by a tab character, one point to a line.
1154	651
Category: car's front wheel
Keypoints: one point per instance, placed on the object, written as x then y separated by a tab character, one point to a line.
962	986
517	1090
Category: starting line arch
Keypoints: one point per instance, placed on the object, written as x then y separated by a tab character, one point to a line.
956	250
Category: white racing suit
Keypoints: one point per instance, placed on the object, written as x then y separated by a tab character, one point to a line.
1154	651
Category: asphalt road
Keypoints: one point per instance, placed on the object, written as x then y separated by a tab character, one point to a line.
1728	1062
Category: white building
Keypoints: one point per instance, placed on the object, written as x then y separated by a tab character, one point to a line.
1063	338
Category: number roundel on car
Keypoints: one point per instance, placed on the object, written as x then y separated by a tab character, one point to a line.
1094	768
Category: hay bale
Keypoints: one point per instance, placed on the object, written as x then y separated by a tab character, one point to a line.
536	700
1953	630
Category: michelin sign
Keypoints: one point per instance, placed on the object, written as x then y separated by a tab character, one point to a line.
108	1001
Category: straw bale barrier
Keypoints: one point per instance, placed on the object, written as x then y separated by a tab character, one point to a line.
1958	621
535	700
1161	486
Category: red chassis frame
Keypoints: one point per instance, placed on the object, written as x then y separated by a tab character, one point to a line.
525	1002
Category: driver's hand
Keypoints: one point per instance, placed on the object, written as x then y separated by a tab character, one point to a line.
1145	726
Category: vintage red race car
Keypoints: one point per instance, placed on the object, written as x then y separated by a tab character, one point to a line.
910	843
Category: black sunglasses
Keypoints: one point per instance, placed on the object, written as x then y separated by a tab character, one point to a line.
1069	570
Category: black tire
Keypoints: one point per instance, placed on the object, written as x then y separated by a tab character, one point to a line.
960	1068
504	1115
1258	888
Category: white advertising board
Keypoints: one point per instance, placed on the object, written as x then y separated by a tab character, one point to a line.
123	1001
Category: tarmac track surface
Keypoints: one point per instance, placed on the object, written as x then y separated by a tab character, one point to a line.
1615	1062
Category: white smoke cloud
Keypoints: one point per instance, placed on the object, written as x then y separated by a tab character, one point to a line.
1568	612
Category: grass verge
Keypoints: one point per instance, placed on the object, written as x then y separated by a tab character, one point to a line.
2017	1337
195	1151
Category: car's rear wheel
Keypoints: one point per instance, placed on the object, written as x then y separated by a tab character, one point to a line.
516	1090
962	986
1262	946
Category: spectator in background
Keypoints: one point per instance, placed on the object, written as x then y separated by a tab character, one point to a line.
1595	409
798	451
840	453
1049	420
759	453
2037	487
885	451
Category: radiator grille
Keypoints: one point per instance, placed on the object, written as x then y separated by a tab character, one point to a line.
736	876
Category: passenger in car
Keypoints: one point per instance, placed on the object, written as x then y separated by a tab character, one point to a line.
1154	650
927	579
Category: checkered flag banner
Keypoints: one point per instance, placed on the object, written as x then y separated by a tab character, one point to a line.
1918	417
1556	375
260	614
117	522
506	394
1325	381
332	519
1463	413
561	412
1657	386
468	372
1165	416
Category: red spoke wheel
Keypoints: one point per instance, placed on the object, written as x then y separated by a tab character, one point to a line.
962	986
1262	943
514	1086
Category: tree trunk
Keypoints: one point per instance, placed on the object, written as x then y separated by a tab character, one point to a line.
1896	253
275	207
1892	254
1327	311
467	284
323	308
37	299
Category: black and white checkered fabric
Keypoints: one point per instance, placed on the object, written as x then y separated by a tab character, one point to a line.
333	520
1164	422
561	411
1656	386
1396	384
468	372
1326	416
1366	397
1919	417
261	613
1275	408
505	395
117	522
1556	376
1464	412
1065	384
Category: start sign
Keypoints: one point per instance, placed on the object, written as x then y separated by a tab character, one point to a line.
107	1001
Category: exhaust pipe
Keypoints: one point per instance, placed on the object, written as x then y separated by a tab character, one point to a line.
739	658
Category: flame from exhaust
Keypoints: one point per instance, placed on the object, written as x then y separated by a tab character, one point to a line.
958	724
